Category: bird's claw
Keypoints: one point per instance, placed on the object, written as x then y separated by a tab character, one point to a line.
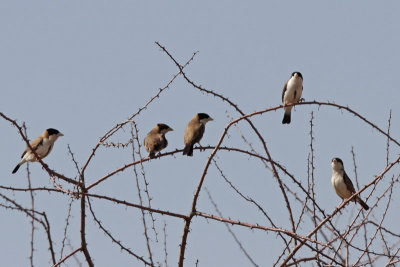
201	147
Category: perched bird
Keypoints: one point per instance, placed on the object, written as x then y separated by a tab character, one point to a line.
155	140
342	184
41	145
194	132
291	94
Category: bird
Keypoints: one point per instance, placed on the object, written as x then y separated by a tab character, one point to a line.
155	140
42	145
291	94
194	132
342	184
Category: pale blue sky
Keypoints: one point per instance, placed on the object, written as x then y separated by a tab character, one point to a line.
82	67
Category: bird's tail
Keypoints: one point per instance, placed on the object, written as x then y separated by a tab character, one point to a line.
188	150
286	117
362	203
16	168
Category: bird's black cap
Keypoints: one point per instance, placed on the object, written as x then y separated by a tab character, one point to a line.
338	160
52	131
163	126
298	73
203	116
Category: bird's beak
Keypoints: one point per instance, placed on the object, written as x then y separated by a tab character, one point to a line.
210	119
60	134
170	129
334	160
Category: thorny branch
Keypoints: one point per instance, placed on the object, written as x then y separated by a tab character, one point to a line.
310	224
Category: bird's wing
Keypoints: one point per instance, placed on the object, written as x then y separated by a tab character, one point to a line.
149	140
155	141
284	91
145	141
160	143
23	154
193	133
35	144
348	183
189	131
198	134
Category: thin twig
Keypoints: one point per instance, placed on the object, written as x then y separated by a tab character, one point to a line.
140	195
66	257
124	248
230	230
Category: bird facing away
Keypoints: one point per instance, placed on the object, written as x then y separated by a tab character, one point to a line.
291	94
342	184
41	145
194	132
155	140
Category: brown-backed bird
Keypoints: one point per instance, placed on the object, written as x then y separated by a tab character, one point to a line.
155	140
41	145
342	184
194	132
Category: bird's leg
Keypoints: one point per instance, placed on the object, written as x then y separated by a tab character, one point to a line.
341	202
300	100
200	146
354	199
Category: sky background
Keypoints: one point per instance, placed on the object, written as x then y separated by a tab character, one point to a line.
84	66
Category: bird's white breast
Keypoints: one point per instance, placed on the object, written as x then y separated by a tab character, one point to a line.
294	85
45	148
42	150
339	185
